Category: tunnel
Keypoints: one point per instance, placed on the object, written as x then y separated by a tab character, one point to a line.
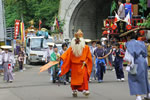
88	16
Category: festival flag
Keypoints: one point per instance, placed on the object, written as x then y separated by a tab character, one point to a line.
116	17
57	23
22	32
127	19
17	26
48	65
40	22
53	28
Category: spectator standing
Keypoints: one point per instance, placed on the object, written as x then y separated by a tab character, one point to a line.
121	10
92	49
21	56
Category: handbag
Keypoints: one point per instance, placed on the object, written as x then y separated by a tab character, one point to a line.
133	69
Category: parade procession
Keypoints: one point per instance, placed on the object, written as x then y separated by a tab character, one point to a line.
74	49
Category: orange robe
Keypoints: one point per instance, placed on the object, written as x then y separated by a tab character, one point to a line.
79	76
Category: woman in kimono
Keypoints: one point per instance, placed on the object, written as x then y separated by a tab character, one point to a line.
136	53
7	62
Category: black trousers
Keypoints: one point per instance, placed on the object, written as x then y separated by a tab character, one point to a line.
100	70
119	69
20	65
67	76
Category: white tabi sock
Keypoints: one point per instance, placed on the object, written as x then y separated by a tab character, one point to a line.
148	95
138	98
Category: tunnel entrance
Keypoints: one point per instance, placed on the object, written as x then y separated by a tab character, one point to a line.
88	16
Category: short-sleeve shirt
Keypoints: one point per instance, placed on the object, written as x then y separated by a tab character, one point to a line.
119	52
99	52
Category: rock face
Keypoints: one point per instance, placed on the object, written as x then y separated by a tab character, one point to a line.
87	15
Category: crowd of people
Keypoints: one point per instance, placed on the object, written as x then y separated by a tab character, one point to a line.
85	61
107	55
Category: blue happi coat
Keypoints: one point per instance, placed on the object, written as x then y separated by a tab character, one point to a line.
138	83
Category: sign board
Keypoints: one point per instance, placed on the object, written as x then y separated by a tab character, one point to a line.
17	27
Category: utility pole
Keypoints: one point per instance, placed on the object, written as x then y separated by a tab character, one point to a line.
2	23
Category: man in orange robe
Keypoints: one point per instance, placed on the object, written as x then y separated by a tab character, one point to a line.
78	59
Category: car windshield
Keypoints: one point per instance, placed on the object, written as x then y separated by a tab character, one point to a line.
36	43
45	41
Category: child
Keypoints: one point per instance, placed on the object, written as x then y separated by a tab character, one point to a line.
119	54
99	55
21	59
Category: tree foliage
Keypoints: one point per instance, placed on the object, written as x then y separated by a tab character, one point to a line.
146	23
143	6
113	7
26	10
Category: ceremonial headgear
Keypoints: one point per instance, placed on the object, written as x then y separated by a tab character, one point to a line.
87	40
79	34
50	44
6	47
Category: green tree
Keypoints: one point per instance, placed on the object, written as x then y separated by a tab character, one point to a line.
27	10
146	23
143	6
113	7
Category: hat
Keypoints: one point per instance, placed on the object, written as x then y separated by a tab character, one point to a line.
87	40
79	34
6	47
44	29
50	43
31	30
55	46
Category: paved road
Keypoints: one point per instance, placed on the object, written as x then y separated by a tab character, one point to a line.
29	85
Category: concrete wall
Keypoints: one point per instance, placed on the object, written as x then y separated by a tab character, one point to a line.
87	15
65	12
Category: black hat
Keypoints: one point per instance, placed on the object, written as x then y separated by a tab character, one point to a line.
55	46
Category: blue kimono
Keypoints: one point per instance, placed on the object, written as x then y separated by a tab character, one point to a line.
138	83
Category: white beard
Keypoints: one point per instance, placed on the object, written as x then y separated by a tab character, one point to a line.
77	48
